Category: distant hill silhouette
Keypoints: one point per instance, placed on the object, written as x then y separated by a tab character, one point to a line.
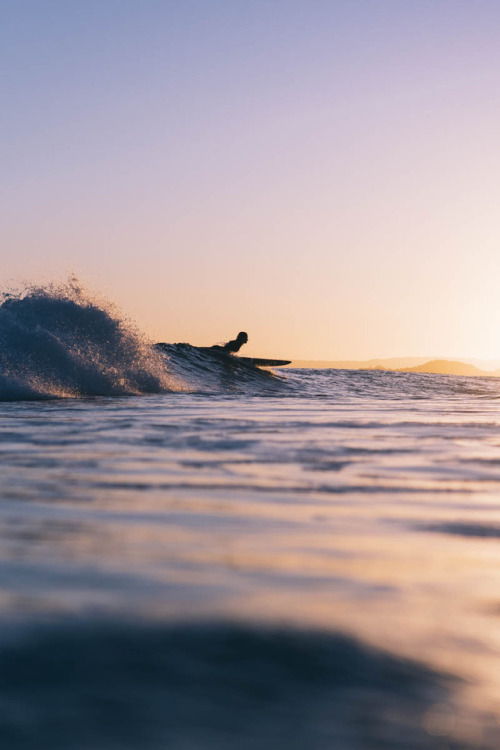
405	364
450	367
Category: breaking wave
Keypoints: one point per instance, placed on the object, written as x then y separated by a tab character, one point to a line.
60	342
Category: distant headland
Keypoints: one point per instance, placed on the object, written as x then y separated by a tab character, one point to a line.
404	364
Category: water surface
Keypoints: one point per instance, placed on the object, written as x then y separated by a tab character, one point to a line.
236	558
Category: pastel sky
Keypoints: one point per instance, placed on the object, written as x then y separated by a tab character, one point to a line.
324	174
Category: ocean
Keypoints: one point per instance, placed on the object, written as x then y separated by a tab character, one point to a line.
197	554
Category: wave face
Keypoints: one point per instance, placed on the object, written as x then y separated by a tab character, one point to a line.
207	370
58	342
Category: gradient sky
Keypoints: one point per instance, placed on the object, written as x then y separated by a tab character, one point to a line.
323	174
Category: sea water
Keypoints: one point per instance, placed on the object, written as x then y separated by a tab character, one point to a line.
199	554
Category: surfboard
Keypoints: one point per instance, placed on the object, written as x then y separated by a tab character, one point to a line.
219	351
259	362
255	361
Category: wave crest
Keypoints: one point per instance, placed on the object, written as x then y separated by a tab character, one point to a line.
60	342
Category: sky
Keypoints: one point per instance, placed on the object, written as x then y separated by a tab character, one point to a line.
324	174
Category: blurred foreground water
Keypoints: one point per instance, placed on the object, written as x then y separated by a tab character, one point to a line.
317	566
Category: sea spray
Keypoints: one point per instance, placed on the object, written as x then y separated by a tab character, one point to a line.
60	341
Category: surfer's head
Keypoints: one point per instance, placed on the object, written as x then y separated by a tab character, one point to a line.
242	337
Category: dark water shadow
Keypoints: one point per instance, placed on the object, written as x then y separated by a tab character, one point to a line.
211	685
458	528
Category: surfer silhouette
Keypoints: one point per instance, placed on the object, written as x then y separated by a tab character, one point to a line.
231	347
234	345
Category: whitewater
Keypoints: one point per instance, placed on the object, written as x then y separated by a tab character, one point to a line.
201	554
